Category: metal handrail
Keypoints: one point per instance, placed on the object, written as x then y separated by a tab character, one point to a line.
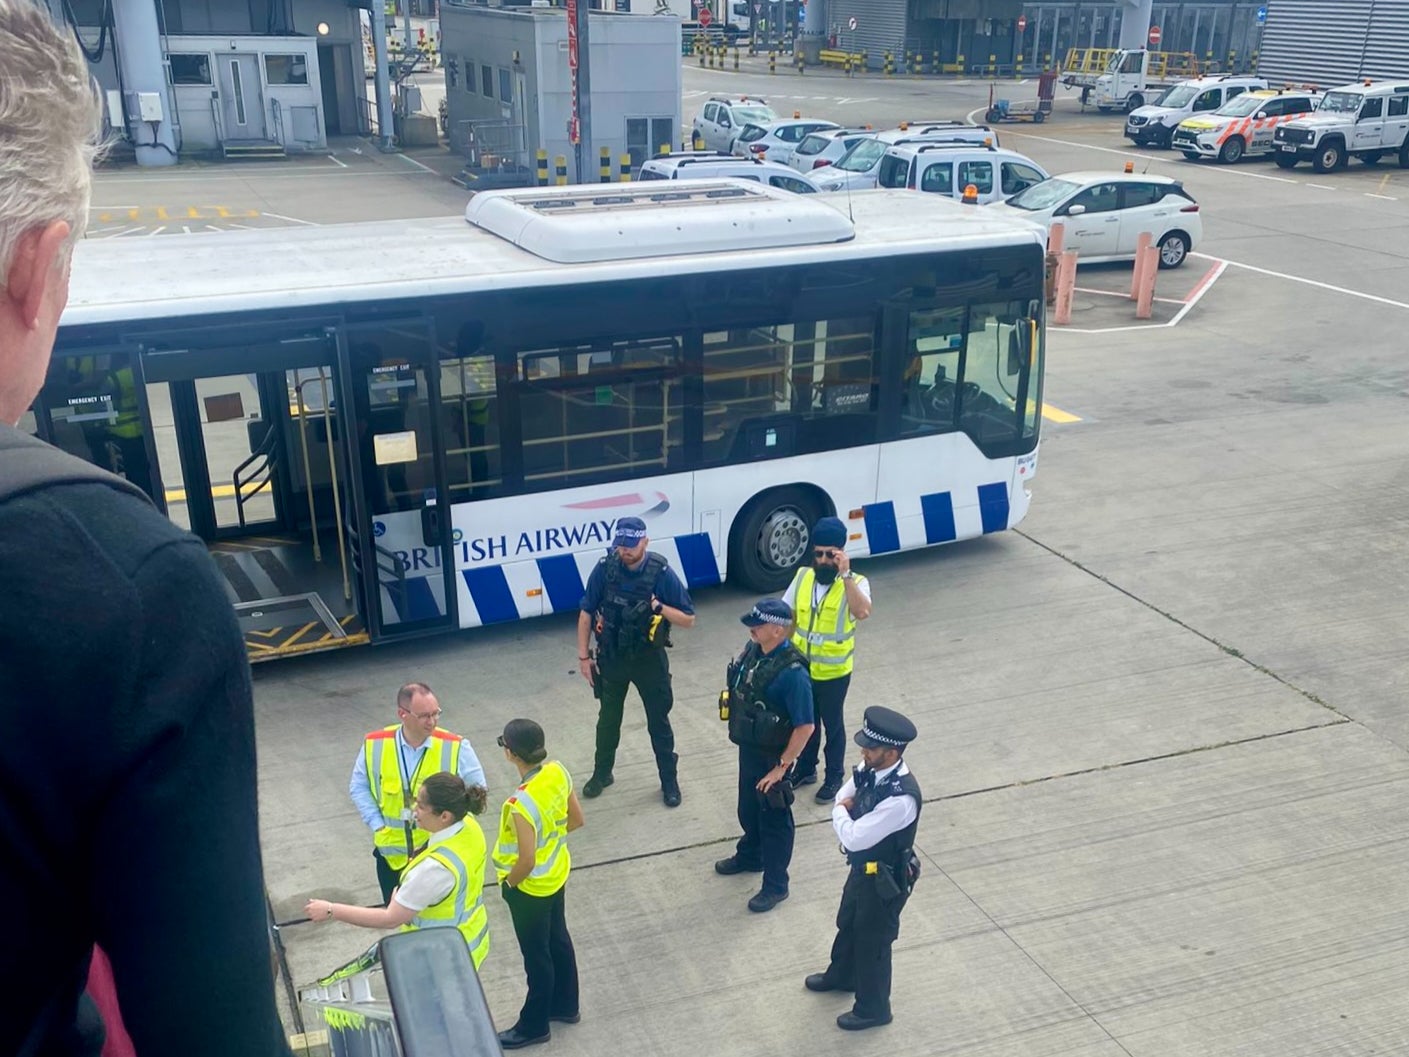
269	450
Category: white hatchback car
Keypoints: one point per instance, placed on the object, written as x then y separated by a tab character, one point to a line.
776	142
1104	213
825	148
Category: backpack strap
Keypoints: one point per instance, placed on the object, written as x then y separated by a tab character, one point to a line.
28	464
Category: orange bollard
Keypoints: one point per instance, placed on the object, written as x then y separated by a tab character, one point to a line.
1136	278
1066	286
1145	305
1056	237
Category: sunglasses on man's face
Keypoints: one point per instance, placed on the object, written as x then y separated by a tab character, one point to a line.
825	552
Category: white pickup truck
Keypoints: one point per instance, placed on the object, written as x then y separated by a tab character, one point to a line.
1130	80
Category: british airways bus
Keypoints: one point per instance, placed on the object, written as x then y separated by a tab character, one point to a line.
399	428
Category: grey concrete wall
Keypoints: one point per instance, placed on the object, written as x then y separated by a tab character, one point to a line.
635	64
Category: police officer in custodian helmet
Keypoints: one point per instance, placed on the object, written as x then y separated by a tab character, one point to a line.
875	817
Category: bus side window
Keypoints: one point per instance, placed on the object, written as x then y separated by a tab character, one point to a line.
931	374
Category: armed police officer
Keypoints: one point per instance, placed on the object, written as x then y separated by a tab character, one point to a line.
768	705
633	599
829	598
875	817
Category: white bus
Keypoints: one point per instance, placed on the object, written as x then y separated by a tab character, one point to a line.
398	428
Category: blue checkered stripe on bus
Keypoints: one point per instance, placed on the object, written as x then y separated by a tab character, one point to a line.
501	593
937	509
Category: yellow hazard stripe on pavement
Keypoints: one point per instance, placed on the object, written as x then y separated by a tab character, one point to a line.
1056	414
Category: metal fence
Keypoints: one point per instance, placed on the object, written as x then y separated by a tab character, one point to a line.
489	145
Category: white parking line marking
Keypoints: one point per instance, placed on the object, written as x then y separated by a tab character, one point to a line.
1321	187
1310	282
1383	198
1204	286
337	161
414	162
291	220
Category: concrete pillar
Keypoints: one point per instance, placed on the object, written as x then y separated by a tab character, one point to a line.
144	75
814	32
1135	24
386	133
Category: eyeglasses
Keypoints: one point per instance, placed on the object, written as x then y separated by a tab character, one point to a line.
423	716
824	553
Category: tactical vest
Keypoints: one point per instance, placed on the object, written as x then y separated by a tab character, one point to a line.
463	908
894	848
625	623
755	719
826	634
542	798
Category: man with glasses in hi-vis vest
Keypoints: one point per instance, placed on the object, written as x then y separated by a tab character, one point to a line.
829	598
392	765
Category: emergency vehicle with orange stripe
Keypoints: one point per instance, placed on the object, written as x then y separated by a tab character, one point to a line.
1243	126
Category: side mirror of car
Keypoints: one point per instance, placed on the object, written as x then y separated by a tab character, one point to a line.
724	121
1260	114
1074	210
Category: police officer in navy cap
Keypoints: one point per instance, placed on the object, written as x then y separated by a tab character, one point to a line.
632	600
768	704
875	817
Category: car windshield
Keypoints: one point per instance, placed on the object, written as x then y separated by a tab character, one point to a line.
758	115
813	145
1043	195
862	157
1242	106
1179	95
751	133
1341	102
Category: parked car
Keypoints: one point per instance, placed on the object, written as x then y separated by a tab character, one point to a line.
857	169
1154	125
776	141
697	165
949	168
1368	120
1104	213
721	118
1244	126
826	147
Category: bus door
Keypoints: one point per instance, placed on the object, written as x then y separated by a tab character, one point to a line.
253	461
401	522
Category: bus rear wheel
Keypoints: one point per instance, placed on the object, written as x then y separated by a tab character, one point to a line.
772	538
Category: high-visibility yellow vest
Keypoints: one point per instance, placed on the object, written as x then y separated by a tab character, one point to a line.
825	634
543	800
394	791
463	855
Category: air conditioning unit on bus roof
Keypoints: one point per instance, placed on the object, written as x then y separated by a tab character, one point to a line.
575	225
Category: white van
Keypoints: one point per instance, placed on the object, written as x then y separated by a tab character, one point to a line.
1154	125
948	168
697	165
857	169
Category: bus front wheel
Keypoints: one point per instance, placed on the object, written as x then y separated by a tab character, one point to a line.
772	538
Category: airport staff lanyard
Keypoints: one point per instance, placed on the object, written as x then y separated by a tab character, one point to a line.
407	825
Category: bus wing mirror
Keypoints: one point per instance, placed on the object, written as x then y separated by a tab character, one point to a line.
1020	340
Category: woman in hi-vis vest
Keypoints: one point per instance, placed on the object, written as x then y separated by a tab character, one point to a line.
532	861
443	884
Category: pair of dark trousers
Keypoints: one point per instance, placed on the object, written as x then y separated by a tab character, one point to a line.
549	962
649	671
768	830
867	925
828	700
387	876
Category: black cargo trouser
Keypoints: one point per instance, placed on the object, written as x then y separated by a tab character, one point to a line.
549	961
867	925
768	830
649	670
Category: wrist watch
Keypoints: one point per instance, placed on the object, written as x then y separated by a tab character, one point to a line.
848	575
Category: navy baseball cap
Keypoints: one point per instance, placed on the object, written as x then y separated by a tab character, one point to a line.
629	532
769	611
884	728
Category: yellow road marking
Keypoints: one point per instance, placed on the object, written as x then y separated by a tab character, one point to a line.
193	212
217	491
1384	182
161	213
1056	414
